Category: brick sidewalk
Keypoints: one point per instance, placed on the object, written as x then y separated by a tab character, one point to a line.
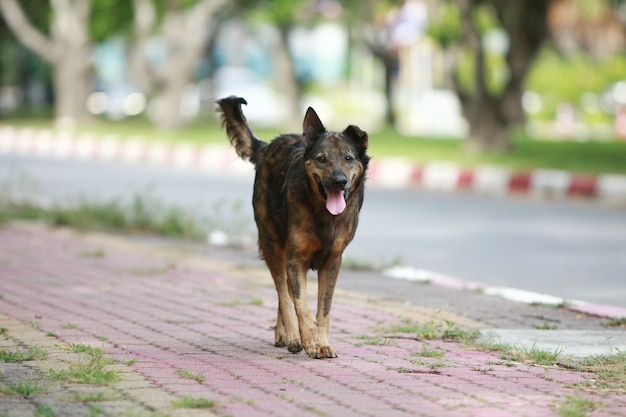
182	325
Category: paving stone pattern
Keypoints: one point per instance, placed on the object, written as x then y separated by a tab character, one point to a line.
168	315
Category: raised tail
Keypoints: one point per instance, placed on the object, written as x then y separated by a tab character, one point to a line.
245	142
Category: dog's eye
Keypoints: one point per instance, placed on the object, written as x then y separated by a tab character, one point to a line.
321	159
349	158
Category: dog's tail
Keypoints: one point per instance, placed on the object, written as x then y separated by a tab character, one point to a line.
245	142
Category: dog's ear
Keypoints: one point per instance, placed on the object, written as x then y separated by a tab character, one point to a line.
312	125
357	135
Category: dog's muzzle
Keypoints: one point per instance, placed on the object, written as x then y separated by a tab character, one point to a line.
335	193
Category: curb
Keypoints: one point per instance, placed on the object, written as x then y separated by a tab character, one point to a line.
507	293
386	172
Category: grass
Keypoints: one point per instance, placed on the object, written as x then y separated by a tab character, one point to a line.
32	354
615	322
143	215
191	402
584	157
24	389
432	330
89	370
574	406
190	375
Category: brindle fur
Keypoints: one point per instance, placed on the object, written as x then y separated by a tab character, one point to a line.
296	231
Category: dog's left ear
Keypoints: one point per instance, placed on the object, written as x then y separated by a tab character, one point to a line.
312	125
357	135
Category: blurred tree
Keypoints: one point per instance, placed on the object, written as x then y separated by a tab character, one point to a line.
60	32
184	28
283	15
491	110
491	113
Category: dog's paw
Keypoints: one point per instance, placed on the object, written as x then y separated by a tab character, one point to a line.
313	350
328	352
295	346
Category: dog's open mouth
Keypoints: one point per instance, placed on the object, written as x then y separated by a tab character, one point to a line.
335	198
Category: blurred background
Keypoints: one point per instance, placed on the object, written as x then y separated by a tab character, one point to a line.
479	70
533	86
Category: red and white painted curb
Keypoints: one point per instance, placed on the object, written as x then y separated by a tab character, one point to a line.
388	172
384	172
511	294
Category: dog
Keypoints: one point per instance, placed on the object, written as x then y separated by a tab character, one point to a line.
308	192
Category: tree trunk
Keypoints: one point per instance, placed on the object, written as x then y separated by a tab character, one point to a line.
489	114
67	50
185	34
285	76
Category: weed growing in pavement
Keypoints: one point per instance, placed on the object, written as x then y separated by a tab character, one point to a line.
190	375
609	371
191	402
432	330
615	322
372	340
429	353
24	389
90	371
92	397
514	353
545	326
32	354
574	406
45	410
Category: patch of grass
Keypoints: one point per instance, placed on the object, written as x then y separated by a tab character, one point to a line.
32	354
542	357
190	375
372	340
615	322
610	371
545	326
532	355
430	353
96	253
191	402
24	389
574	406
45	410
433	330
144	214
91	371
92	397
70	326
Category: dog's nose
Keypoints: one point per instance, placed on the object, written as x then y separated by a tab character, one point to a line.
339	180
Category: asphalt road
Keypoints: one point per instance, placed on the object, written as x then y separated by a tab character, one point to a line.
574	250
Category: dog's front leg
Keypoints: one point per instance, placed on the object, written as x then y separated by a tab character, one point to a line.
296	275
326	278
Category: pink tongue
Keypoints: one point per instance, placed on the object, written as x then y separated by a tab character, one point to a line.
335	203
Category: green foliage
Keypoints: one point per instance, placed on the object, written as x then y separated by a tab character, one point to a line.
191	402
574	406
560	79
24	389
446	27
17	355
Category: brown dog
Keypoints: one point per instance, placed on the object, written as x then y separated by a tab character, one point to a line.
308	192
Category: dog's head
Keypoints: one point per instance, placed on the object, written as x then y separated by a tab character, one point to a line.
335	161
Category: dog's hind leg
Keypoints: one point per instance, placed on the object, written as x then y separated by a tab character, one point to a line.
326	278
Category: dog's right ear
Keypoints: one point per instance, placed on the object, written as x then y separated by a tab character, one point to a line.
312	126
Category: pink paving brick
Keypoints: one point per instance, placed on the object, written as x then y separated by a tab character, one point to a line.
199	320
